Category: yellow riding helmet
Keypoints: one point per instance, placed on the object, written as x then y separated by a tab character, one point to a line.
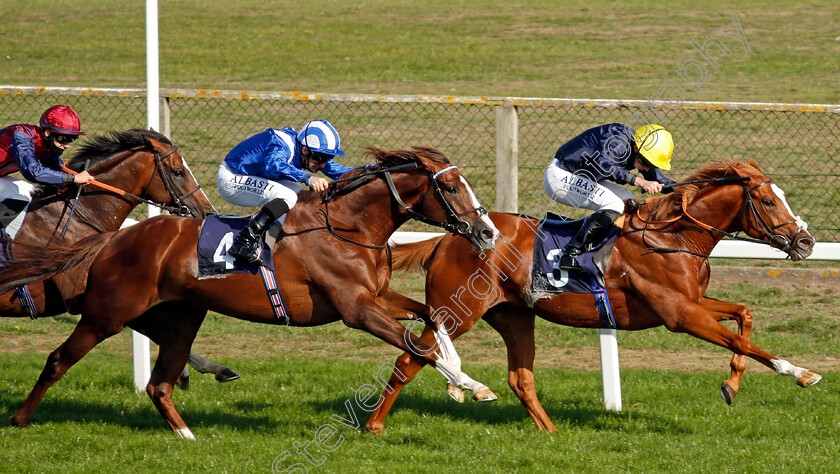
655	144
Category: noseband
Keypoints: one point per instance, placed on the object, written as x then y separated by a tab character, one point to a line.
458	227
178	207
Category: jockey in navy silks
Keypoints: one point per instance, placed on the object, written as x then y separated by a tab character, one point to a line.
35	151
587	170
269	169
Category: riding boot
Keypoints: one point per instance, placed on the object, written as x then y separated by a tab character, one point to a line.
592	231
247	242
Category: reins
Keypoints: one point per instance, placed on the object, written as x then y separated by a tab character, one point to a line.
748	203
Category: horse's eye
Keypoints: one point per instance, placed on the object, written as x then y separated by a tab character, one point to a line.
178	172
451	189
768	203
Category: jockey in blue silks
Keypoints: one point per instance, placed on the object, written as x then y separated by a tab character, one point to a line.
269	169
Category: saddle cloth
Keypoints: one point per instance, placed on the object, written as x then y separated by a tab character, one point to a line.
217	234
547	276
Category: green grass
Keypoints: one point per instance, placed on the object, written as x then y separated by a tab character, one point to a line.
295	380
92	421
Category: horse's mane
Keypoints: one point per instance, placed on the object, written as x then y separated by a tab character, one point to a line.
100	147
670	205
384	159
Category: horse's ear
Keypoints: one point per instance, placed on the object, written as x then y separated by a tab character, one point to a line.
754	164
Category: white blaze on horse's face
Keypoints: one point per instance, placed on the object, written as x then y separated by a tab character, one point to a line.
781	194
484	231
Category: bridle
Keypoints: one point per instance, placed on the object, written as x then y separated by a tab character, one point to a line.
178	207
749	209
454	223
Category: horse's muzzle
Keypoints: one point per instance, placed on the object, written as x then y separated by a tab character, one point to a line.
484	234
799	247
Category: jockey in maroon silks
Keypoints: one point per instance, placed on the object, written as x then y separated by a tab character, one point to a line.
35	151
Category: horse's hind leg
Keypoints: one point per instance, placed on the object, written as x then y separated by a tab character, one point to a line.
203	365
84	338
722	311
516	326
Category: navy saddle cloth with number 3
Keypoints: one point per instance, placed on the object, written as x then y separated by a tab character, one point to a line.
217	233
547	276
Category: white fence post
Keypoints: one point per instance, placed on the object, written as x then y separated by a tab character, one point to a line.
507	158
140	343
610	376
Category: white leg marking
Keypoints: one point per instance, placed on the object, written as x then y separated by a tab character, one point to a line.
185	433
784	367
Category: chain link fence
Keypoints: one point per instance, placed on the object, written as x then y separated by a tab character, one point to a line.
797	144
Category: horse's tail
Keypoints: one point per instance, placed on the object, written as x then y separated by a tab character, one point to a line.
414	257
35	263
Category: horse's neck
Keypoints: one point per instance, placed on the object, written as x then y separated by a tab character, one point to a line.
365	215
719	209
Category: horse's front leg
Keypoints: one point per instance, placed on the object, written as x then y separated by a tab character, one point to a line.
679	314
404	308
722	310
443	328
364	312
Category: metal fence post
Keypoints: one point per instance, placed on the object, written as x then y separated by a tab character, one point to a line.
507	158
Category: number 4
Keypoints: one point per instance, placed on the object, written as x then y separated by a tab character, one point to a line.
220	255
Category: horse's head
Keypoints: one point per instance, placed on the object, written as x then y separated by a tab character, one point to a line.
768	217
145	164
179	186
443	196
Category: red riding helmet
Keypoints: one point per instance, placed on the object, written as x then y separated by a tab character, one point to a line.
62	119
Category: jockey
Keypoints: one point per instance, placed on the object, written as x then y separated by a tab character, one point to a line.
581	171
269	169
35	151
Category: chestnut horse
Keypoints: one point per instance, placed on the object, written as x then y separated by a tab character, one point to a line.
333	259
140	166
657	275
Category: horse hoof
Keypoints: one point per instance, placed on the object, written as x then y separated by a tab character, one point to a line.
456	393
485	395
374	429
808	378
728	393
18	420
226	375
183	382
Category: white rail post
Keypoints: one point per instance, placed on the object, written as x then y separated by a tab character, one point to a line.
139	343
610	376
507	158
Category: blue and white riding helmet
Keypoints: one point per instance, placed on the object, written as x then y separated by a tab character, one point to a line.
320	137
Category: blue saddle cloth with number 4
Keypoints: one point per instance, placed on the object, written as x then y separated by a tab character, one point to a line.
217	234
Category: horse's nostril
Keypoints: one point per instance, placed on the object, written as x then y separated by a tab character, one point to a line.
806	243
487	233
